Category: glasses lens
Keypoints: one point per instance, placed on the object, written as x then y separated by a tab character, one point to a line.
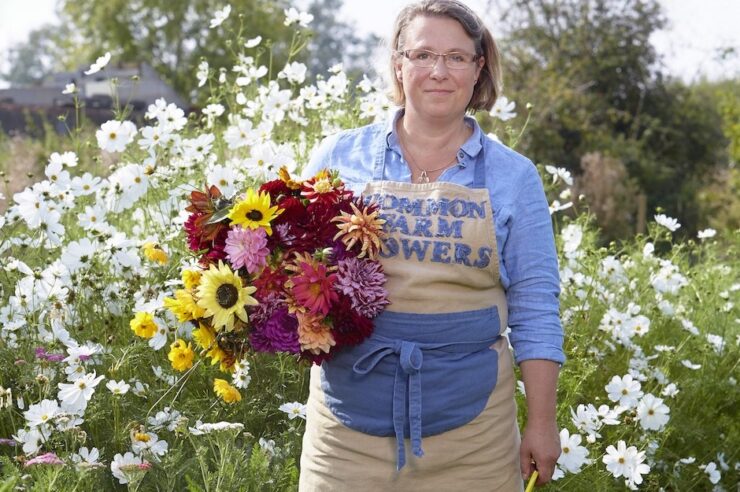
457	61
421	58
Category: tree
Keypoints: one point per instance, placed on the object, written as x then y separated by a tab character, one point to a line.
174	36
596	85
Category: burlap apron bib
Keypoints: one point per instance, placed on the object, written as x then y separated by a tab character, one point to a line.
431	366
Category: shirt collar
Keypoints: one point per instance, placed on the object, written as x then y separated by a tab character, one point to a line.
471	147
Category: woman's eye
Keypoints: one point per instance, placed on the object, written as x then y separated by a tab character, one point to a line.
456	57
422	56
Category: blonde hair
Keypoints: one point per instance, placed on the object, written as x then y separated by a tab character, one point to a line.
488	86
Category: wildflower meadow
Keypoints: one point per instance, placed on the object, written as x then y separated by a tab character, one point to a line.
106	384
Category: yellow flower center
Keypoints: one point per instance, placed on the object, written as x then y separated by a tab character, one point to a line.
322	186
226	295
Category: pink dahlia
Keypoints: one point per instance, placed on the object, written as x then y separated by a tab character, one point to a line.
362	281
312	287
247	248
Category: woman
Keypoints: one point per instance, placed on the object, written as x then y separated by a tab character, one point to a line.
470	252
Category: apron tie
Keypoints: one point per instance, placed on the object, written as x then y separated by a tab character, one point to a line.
408	378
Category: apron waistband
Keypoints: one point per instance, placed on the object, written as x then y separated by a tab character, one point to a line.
408	377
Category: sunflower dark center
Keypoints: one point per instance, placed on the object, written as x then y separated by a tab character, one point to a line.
226	295
254	215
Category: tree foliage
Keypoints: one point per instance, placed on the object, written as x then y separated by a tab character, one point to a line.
174	36
596	84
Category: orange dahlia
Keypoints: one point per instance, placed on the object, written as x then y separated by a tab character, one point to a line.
313	335
363	227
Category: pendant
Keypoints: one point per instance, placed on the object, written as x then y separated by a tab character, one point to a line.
423	178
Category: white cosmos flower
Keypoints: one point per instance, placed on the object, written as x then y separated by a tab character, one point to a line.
294	410
670	390
67	159
687	363
148	442
86	458
503	109
118	387
114	136
220	16
653	414
668	222
706	233
573	455
32	439
78	254
626	462
239	134
202	73
559	173
99	64
251	43
293	16
70	89
624	390
122	463
225	178
711	469
572	235
87	184
92	217
41	413
294	72
268	446
74	396
241	377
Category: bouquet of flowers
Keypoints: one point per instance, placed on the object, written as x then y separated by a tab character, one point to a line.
290	267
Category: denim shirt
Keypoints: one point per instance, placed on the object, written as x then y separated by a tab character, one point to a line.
526	246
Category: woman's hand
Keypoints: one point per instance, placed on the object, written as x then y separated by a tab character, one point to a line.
541	444
541	440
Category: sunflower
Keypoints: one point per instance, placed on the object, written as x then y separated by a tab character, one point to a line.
254	212
222	295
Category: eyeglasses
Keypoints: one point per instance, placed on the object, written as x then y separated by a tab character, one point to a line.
455	60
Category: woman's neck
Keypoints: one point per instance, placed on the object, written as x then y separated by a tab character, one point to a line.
433	136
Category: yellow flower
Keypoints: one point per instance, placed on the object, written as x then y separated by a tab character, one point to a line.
191	278
228	393
154	252
222	295
181	355
205	337
284	175
254	212
184	306
143	325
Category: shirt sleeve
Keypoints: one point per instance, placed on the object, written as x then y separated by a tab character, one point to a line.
532	264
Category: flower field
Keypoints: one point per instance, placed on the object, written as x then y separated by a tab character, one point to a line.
105	386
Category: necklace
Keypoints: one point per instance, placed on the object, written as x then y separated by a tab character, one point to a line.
424	176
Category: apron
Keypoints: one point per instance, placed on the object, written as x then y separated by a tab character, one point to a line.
430	367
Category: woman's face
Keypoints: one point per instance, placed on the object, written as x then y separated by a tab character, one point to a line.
437	92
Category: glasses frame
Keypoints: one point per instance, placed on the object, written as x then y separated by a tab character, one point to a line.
436	56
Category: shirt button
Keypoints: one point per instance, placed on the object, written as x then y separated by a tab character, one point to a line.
461	155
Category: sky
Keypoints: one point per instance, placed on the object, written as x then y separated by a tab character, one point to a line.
697	29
